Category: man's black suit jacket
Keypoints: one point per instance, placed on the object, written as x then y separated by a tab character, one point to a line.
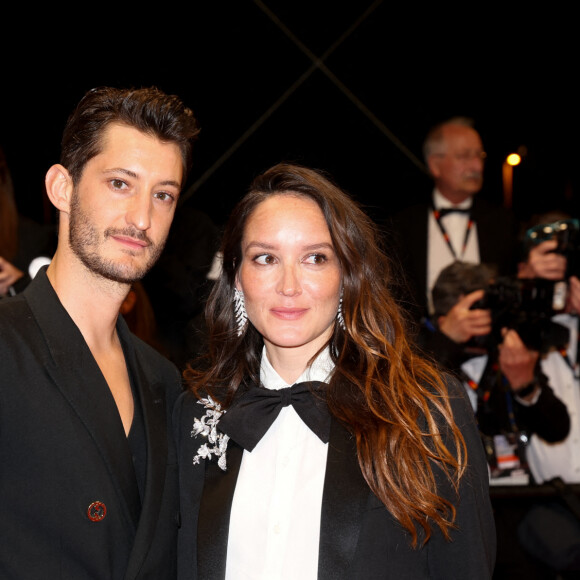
359	539
496	236
63	447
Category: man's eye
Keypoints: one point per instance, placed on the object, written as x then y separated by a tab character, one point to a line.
118	184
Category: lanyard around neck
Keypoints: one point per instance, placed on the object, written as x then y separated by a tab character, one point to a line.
574	367
445	235
492	378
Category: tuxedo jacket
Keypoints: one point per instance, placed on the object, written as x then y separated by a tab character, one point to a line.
70	506
496	237
359	539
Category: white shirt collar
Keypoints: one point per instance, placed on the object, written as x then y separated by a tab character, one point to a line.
320	370
440	201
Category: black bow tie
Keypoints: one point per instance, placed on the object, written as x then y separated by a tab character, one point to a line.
251	415
447	210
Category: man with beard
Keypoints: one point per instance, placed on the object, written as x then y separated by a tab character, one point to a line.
87	465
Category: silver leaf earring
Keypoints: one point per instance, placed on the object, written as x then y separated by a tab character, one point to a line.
240	311
339	315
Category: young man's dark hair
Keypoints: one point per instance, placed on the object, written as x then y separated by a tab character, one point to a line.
149	110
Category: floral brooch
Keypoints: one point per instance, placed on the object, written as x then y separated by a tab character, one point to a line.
207	427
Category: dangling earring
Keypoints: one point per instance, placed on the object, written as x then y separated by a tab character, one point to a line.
339	315
240	311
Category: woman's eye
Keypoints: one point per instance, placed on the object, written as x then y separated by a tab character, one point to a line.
264	259
164	196
315	259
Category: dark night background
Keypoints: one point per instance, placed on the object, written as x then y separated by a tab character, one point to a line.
247	69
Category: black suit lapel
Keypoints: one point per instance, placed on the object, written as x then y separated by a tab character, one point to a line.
344	499
153	404
214	514
80	381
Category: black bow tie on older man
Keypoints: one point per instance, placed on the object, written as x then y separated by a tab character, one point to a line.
252	413
447	210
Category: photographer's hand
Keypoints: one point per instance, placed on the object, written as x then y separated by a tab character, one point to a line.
543	262
517	362
460	323
9	274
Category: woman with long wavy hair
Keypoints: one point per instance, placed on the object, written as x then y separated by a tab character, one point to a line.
313	440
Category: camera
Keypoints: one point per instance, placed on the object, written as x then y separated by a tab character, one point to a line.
567	234
527	306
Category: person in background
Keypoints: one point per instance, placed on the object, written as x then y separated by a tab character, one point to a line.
561	365
313	441
464	340
550	530
455	223
88	473
24	244
514	399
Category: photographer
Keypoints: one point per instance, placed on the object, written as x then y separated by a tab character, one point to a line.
562	459
508	391
537	537
471	335
543	261
551	528
550	249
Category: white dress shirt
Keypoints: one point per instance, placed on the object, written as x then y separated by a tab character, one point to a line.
474	368
548	460
438	253
275	519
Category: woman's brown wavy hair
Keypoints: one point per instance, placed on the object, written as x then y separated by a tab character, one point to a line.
393	401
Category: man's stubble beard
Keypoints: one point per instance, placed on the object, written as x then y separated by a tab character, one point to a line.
85	240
